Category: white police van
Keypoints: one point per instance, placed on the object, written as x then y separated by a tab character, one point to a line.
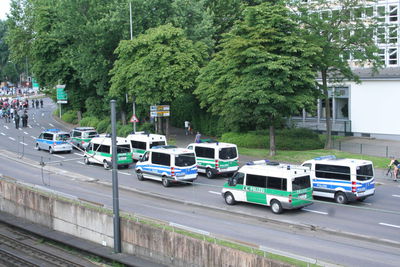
141	142
343	180
167	164
214	158
54	140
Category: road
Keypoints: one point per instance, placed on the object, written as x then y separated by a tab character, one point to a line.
374	224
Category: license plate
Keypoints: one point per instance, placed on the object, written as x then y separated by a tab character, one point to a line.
303	196
122	158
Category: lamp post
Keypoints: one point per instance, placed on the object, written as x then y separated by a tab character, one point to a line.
133	100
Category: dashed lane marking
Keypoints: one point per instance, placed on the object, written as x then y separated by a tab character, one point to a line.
124	173
390	225
79	154
11	138
25	133
316	211
51	125
80	162
5	126
29	126
213	192
33	137
395	195
58	156
2	133
22	143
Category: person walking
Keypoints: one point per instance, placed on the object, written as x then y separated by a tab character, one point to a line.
187	125
41	102
16	120
396	166
24	118
37	103
197	139
33	103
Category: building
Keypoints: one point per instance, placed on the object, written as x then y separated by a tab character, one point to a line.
368	109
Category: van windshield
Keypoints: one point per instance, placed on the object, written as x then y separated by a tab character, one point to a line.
63	137
228	153
157	143
365	172
123	148
183	160
90	134
302	182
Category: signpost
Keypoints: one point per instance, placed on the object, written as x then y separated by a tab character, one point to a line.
158	112
62	97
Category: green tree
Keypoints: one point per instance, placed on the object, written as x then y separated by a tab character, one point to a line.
262	72
343	32
156	66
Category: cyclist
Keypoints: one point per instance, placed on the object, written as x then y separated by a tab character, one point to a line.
396	166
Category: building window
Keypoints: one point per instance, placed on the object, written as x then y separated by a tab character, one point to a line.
393	34
393	56
393	13
381	12
382	55
380	35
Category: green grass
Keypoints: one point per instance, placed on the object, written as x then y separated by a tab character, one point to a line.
299	157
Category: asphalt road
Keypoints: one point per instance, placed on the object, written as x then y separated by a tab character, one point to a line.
375	223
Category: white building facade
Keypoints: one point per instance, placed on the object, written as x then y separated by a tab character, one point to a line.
368	109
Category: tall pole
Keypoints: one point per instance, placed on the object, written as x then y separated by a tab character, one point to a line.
133	101
116	221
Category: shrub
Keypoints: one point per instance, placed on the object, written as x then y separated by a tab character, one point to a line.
146	127
89	121
103	125
70	116
124	130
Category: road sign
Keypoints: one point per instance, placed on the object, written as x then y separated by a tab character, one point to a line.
62	101
134	119
159	111
61	94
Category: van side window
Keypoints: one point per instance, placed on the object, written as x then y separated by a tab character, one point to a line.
96	147
138	144
332	172
157	143
48	136
276	183
307	165
238	178
104	149
205	152
256	180
161	158
76	134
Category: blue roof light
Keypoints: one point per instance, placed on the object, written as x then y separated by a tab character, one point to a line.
325	157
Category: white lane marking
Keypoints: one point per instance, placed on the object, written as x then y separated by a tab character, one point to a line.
124	173
22	143
213	192
79	154
6	127
51	125
42	128
2	133
29	126
11	138
395	195
316	211
58	156
33	137
25	133
20	129
80	162
390	225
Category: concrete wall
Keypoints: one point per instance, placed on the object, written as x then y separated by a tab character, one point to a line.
143	240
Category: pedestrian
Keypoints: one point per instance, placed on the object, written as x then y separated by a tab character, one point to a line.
396	166
24	118
187	125
197	139
37	103
33	103
16	120
41	102
12	112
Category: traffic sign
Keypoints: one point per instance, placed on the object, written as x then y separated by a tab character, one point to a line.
134	119
159	111
61	94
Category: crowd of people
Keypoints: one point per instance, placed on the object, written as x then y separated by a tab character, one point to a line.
16	110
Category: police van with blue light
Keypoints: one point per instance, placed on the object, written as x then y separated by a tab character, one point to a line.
54	140
342	179
167	164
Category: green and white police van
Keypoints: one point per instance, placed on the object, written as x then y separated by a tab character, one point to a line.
280	186
81	136
214	158
99	151
142	142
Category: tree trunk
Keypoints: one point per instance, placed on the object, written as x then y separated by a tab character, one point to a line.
272	147
328	142
123	117
79	115
167	127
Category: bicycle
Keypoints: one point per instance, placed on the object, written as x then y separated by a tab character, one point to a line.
390	171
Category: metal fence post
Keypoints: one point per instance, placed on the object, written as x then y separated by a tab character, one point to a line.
387	151
360	148
340	145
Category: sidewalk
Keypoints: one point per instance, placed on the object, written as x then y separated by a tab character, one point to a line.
368	144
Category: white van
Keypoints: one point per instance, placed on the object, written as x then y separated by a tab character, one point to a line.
343	180
280	186
99	151
141	142
215	158
167	164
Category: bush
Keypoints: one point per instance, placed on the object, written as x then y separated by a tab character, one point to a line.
124	130
146	127
89	121
286	139
103	125
70	116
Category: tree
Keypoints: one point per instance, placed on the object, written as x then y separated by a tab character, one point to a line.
341	28
262	72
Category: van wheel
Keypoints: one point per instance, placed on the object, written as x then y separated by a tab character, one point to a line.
37	147
105	165
209	173
340	198
165	182
229	199
51	151
139	175
276	206
86	160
